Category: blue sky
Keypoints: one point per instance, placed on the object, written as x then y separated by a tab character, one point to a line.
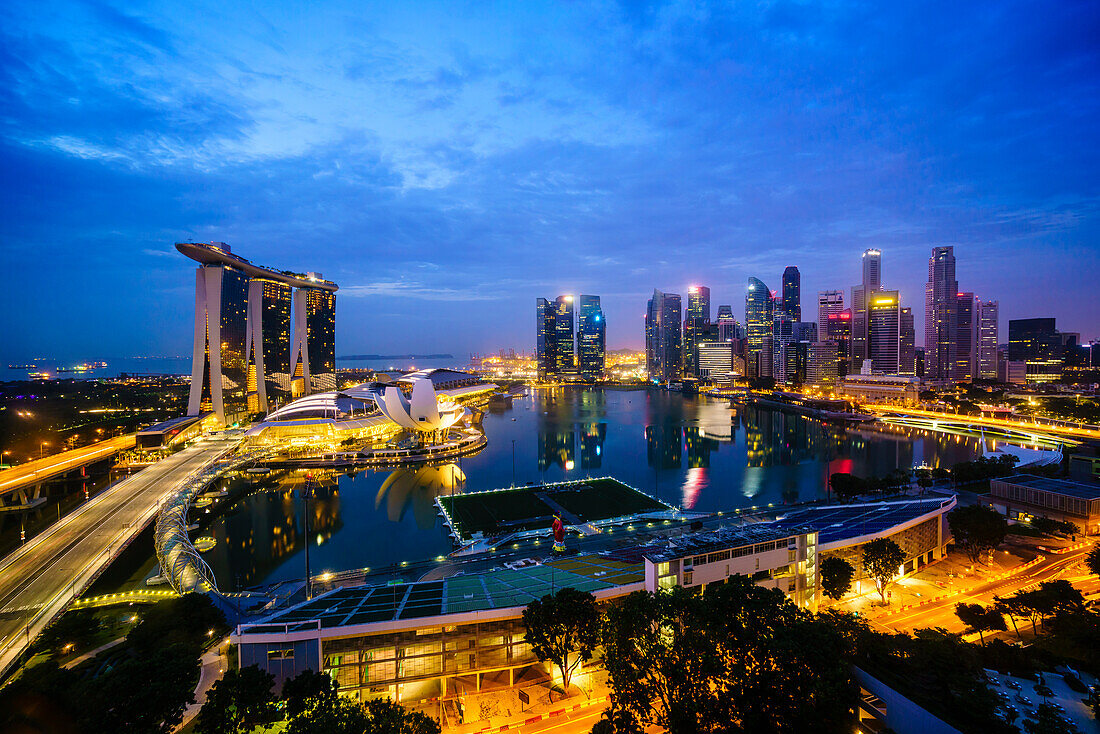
447	163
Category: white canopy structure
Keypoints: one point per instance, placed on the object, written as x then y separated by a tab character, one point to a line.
424	412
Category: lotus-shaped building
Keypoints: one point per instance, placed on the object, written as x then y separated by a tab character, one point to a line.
423	412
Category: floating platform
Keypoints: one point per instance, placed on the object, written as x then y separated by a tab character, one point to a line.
498	512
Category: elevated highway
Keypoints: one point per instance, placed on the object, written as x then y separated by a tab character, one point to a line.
41	578
1014	430
21	486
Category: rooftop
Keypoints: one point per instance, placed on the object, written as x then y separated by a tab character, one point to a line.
1080	490
836	523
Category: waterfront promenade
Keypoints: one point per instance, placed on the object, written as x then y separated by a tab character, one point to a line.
40	579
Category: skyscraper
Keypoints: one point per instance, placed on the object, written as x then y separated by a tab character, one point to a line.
965	337
940	315
872	283
245	350
269	307
663	337
884	332
545	348
591	337
838	330
1037	343
907	351
792	293
988	332
564	359
828	302
728	328
696	319
759	309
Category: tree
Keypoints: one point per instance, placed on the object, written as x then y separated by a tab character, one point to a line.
186	620
924	479
337	716
738	658
836	576
846	485
145	694
71	633
1048	720
386	717
1009	609
1048	526
1092	560
882	559
980	619
241	700
977	529
564	629
307	689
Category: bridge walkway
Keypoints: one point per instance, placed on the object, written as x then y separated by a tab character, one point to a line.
20	486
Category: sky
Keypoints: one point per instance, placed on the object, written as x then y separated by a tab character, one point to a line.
447	163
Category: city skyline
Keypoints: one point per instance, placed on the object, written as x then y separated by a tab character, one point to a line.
468	165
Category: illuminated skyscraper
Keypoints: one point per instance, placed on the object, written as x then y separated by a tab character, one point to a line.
872	283
564	355
828	302
988	332
1037	343
884	332
728	328
759	315
663	337
591	337
940	315
965	337
696	319
244	350
792	294
269	306
545	349
838	330
907	351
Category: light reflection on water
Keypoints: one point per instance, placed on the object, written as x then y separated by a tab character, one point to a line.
689	451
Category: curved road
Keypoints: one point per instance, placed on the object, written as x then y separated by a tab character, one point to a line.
41	578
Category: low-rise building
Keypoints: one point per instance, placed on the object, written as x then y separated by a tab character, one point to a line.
1025	496
898	389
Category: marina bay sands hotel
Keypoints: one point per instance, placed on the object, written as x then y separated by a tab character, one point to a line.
262	336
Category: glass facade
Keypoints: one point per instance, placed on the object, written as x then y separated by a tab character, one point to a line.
591	337
275	333
792	293
564	360
758	325
884	332
321	337
696	320
664	338
226	306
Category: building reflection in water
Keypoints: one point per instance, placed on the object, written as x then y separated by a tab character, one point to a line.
261	530
663	446
417	488
592	438
565	414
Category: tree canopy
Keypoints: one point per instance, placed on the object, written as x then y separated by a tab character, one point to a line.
980	619
564	629
882	559
977	529
836	576
241	700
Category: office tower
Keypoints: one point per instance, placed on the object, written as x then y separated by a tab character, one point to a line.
783	335
663	337
940	315
564	360
269	305
821	365
759	309
918	361
872	283
313	352
792	293
591	337
728	328
965	337
220	345
545	345
828	302
244	348
716	361
805	331
1036	343
838	330
907	351
988	320
884	332
696	319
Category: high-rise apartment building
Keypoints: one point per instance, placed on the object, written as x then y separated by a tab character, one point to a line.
965	337
988	320
872	283
1036	343
941	315
663	337
884	332
591	337
792	293
759	312
244	346
828	302
696	320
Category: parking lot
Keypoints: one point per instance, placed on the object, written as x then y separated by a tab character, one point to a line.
1020	694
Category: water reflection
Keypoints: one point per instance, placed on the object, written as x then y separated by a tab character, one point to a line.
417	488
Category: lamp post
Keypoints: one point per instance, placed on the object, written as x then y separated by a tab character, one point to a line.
307	493
513	462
